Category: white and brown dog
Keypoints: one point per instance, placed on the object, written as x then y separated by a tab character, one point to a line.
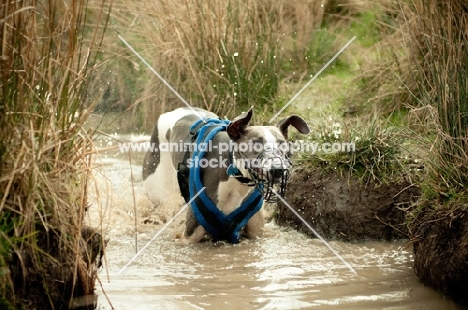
236	168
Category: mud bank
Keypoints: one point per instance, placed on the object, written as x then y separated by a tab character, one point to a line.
63	281
440	244
344	208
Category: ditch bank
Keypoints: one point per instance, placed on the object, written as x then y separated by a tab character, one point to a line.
64	280
343	208
440	244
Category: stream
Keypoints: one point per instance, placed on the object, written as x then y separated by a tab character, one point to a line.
283	270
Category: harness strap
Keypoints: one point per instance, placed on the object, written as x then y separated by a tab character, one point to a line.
233	171
219	225
183	176
223	227
183	171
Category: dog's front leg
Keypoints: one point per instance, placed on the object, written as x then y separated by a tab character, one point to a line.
194	232
255	226
197	235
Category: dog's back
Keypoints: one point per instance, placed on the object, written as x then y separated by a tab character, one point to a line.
159	172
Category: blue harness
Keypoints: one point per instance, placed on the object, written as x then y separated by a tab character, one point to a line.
215	222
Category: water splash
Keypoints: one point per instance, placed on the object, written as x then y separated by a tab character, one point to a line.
159	232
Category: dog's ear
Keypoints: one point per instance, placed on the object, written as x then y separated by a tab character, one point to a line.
296	121
237	127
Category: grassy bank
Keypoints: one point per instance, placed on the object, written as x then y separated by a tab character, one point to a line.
48	50
439	62
422	74
367	147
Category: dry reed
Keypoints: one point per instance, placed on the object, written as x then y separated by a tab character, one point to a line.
438	67
47	52
220	55
422	68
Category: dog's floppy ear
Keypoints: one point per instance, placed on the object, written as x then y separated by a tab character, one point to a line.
237	127
296	121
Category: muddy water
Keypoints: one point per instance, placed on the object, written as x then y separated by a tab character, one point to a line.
284	270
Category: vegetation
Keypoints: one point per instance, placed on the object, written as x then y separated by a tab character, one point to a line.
224	56
440	66
418	79
368	148
47	53
409	99
423	72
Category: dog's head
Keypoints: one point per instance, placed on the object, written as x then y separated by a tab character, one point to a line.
262	152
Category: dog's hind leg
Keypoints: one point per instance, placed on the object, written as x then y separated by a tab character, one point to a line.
255	226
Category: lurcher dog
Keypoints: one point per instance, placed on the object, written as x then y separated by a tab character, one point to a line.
238	166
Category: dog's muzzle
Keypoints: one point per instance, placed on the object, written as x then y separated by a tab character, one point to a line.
270	171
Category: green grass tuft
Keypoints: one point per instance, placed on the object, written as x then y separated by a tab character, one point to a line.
368	149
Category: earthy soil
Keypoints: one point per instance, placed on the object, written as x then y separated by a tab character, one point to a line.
62	281
343	208
440	243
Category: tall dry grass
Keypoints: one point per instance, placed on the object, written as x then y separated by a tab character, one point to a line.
437	81
422	68
220	55
47	53
225	55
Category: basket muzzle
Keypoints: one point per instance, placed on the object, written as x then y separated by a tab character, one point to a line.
270	171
